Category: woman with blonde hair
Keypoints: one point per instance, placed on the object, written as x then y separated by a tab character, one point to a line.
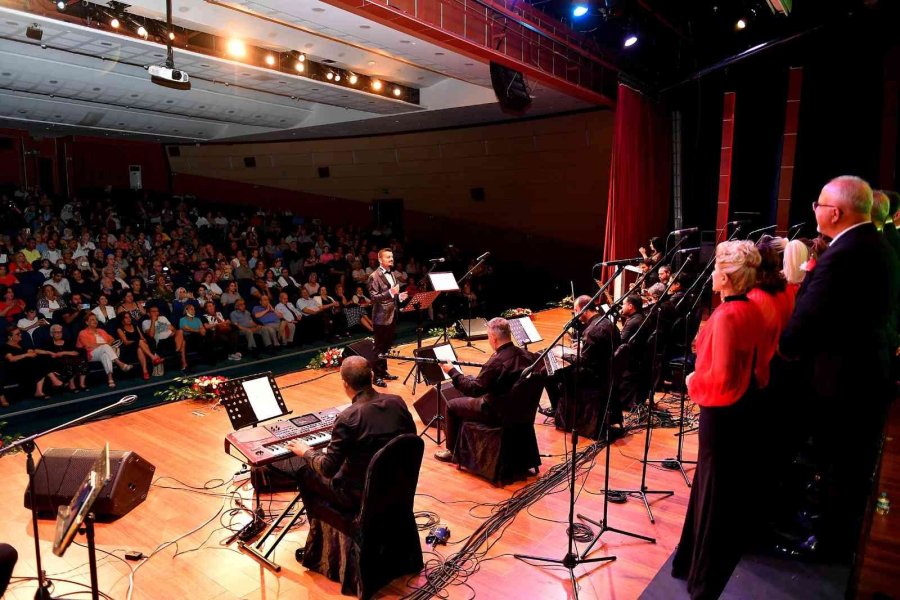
724	385
795	256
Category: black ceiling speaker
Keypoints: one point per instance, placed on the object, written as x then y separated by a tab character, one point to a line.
510	87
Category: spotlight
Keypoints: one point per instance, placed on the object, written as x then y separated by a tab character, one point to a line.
337	77
579	9
34	32
270	60
142	31
630	40
353	79
397	92
301	57
298	66
236	48
114	23
60	5
329	76
172	36
741	24
376	85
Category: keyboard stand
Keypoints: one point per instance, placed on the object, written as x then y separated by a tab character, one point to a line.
257	550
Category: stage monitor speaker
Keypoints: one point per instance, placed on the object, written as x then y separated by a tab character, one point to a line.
510	87
427	406
364	348
478	330
61	470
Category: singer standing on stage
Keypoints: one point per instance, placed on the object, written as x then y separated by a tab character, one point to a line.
384	290
729	356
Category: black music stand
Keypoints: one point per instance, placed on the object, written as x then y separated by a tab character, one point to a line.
252	399
434	375
444	281
419	302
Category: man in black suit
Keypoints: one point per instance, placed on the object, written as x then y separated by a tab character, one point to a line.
384	291
487	397
599	341
847	351
337	475
630	359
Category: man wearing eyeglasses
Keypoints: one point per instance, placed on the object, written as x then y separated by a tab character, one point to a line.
848	352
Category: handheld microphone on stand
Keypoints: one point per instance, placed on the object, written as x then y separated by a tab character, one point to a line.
686	231
799	227
436	260
739	223
482	257
621	261
688	250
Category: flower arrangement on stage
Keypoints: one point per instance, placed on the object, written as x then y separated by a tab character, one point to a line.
330	358
193	388
567	302
452	331
515	313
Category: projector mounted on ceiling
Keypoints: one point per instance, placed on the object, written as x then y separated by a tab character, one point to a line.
168	77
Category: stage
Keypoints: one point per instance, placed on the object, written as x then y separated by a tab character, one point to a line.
185	442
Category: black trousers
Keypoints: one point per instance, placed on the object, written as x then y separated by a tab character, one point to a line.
384	339
719	521
314	489
466	409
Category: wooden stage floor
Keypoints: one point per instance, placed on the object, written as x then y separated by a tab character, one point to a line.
184	441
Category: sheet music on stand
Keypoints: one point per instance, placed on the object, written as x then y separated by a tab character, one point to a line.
523	331
252	399
433	372
443	281
554	361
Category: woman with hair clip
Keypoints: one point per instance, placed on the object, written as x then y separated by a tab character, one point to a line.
729	364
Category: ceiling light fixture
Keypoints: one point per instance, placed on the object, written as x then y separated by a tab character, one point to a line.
329	75
376	85
60	5
397	92
142	31
630	40
172	35
741	24
337	77
236	48
114	23
352	78
270	60
298	66
579	9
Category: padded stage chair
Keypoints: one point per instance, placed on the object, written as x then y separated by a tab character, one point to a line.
364	552
510	451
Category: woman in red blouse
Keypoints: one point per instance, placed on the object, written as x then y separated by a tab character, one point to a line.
724	385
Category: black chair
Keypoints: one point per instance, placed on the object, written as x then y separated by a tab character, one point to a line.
510	451
366	551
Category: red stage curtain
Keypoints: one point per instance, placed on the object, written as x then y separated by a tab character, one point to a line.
640	182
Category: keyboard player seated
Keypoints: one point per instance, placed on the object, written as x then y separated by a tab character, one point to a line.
337	475
599	340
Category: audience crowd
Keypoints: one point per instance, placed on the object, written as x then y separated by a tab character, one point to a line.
129	284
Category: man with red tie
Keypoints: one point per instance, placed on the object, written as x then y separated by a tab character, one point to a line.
384	290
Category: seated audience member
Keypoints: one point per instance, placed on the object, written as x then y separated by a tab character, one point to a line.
230	297
82	286
98	346
312	284
67	362
104	312
60	283
212	287
485	395
11	308
266	315
286	282
336	475
27	367
31	321
220	330
48	302
134	348
353	312
192	328
290	314
332	314
242	319
182	299
361	300
162	335
132	306
7	278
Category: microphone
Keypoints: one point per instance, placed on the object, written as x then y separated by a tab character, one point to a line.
482	257
761	229
797	226
128	399
436	260
621	261
687	231
686	250
740	223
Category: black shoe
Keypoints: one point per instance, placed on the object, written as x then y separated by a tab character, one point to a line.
380	382
390	377
444	456
616	433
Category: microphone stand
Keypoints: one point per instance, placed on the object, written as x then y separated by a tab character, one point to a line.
28	446
571	559
419	331
469	305
760	230
678	461
642	491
